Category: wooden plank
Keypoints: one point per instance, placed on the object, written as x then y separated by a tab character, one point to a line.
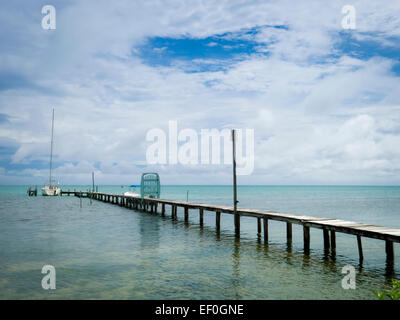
334	225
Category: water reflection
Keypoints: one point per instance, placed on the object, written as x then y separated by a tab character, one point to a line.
149	230
236	267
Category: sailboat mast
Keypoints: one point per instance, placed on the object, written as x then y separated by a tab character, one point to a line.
51	147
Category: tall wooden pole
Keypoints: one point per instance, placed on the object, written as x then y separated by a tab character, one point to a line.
93	180
236	215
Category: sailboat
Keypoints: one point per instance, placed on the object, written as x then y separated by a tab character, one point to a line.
50	189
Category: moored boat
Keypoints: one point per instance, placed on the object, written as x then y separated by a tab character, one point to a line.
51	190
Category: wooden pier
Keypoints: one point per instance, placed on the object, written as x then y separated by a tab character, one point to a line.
32	192
328	226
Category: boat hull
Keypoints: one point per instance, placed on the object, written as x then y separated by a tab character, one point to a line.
131	194
51	191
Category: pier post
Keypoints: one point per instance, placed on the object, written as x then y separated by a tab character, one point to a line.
163	209
289	231
333	241
218	220
173	212
265	220
186	214
259	228
389	250
235	213
306	237
201	211
360	250
326	240
155	207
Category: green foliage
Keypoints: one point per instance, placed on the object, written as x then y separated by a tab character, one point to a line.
392	294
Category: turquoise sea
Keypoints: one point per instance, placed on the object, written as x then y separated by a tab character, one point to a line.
102	251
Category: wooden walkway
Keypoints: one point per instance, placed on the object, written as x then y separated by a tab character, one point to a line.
327	225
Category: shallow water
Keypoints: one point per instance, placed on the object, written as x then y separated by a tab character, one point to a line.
103	251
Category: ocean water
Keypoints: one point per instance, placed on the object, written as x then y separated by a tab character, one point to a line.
103	251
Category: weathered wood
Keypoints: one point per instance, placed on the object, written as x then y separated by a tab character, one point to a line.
289	231
389	235
389	250
175	212
163	209
360	250
326	239
201	211
333	241
218	220
306	238
235	213
265	220
186	210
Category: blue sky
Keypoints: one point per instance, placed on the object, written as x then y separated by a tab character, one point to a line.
324	102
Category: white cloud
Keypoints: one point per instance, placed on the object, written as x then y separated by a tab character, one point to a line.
335	122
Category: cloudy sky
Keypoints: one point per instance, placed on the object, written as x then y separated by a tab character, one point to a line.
324	102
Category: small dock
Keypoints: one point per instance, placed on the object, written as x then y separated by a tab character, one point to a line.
329	227
32	192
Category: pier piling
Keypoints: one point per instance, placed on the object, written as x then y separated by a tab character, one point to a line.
265	220
201	211
186	214
389	251
218	220
326	240
306	237
328	226
289	231
360	250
